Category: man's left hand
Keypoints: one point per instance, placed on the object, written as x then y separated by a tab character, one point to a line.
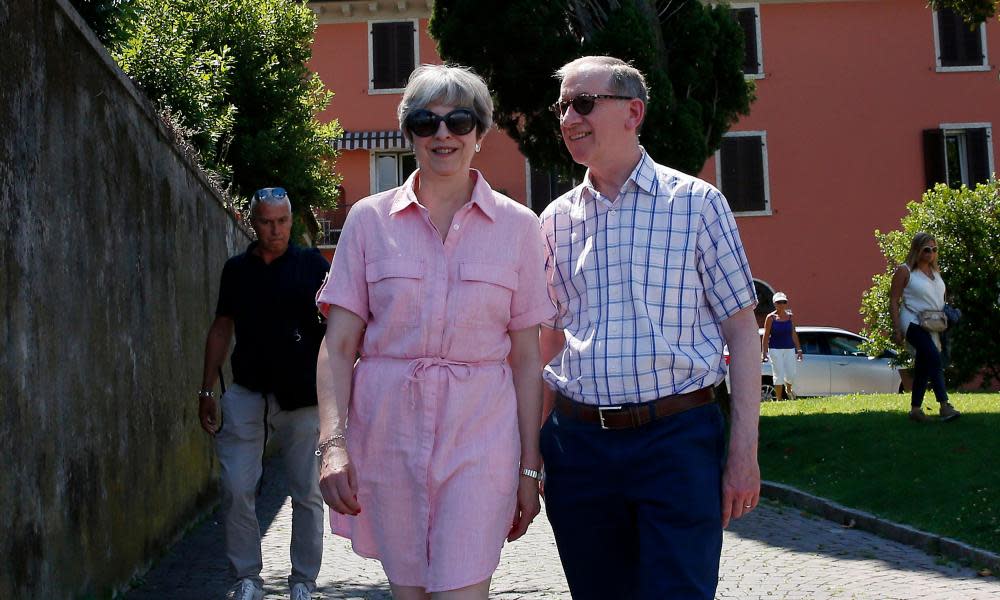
528	507
740	486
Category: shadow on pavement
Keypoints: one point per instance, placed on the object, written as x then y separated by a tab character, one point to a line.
195	568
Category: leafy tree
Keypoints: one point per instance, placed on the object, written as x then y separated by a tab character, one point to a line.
691	54
231	76
966	225
110	19
972	11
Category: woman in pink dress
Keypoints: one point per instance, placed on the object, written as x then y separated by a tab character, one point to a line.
430	441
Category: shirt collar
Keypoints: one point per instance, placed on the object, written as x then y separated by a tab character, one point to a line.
642	176
482	195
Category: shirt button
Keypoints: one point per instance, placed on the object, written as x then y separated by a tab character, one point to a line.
613	213
455	226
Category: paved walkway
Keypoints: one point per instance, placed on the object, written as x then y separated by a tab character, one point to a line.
775	553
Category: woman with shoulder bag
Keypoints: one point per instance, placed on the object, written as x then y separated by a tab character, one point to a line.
916	304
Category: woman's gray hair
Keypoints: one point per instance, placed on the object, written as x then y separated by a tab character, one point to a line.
625	80
453	85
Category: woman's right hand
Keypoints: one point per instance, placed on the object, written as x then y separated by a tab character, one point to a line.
899	336
338	482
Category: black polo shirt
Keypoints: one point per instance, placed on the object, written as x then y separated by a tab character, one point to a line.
273	306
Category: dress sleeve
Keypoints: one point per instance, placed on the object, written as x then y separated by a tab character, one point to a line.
530	304
346	285
722	264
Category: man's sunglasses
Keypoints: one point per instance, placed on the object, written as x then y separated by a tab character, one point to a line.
930	249
583	104
424	123
276	193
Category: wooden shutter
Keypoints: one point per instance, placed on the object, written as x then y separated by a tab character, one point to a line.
404	53
392	54
747	18
935	168
978	155
742	176
960	46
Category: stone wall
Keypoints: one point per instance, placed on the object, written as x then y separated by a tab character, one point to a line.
111	247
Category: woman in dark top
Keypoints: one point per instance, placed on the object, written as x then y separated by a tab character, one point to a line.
780	343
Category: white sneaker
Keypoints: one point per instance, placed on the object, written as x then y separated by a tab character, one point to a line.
245	589
300	592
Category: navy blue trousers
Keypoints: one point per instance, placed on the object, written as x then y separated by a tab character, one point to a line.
926	366
637	513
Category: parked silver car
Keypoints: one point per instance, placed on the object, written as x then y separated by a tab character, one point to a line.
833	364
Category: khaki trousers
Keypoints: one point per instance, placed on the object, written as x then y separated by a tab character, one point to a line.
240	446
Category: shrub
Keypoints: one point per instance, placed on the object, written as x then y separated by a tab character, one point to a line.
966	225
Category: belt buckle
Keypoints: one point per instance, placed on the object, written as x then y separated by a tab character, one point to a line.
600	414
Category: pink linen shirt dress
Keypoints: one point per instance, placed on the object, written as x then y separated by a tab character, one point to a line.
432	422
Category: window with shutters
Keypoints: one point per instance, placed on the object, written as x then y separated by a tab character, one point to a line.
958	47
390	169
741	168
958	154
748	16
392	52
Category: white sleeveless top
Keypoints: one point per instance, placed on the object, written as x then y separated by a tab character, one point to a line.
921	293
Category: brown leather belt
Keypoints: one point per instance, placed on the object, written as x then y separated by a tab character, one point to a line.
635	414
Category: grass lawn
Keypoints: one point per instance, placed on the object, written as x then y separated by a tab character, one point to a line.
862	451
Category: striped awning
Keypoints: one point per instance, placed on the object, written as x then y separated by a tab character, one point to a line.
371	140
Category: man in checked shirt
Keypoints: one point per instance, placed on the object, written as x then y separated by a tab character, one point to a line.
649	278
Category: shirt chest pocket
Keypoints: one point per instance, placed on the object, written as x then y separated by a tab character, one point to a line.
482	295
394	290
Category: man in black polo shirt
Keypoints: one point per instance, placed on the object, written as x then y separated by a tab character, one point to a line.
267	297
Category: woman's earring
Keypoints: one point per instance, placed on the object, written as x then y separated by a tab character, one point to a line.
478	147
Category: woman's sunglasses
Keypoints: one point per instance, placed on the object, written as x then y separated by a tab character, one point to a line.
583	104
929	249
424	123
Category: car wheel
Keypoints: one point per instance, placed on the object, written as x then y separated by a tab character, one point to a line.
766	391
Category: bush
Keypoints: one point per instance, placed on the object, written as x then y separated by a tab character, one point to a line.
966	225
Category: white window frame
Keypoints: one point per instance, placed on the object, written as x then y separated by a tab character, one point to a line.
373	166
937	50
371	53
760	41
326	243
947	128
767	177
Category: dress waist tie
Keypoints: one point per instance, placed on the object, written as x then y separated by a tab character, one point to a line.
417	369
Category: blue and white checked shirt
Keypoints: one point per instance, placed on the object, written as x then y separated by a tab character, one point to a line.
641	286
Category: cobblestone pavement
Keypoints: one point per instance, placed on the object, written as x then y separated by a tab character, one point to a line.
775	553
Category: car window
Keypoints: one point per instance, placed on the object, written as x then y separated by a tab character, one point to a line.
841	345
811	343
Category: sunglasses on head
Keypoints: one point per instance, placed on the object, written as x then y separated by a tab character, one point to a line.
583	104
424	123
265	193
930	249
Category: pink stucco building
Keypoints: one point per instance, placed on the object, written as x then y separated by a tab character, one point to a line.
860	105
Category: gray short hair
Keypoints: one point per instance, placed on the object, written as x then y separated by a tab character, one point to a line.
625	79
455	85
269	200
